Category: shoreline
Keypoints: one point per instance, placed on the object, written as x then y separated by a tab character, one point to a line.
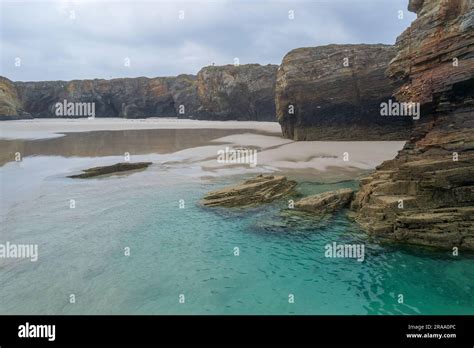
195	144
44	128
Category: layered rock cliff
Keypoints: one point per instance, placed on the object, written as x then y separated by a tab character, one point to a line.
228	92
334	92
127	97
244	92
425	195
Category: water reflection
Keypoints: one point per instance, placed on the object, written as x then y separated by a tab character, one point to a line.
112	143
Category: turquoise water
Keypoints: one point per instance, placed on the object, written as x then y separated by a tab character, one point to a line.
190	251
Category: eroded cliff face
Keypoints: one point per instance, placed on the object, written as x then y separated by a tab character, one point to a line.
244	92
10	104
128	97
334	92
425	195
228	92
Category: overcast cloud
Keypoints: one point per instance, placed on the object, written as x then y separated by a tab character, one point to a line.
102	34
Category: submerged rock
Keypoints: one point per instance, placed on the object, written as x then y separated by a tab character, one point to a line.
261	189
115	168
327	202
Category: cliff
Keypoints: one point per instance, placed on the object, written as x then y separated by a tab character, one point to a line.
127	97
10	104
425	195
244	92
334	92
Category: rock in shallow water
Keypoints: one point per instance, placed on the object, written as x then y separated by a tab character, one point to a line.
115	168
327	202
261	189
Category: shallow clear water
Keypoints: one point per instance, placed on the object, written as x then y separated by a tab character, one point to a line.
190	251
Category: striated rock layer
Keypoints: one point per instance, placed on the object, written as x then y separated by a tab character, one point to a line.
326	202
334	92
261	189
425	195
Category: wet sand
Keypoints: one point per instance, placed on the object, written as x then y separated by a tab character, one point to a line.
192	146
49	127
112	143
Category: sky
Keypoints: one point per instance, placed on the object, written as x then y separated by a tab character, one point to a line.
66	40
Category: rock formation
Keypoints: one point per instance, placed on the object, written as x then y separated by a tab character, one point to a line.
334	92
325	203
228	92
115	168
425	195
261	189
10	104
244	92
128	97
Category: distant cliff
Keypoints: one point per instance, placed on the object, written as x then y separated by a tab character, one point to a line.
426	194
128	97
334	92
228	92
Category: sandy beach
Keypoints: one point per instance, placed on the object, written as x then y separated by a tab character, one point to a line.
184	144
53	127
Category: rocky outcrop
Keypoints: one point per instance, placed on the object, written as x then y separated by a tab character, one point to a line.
425	195
325	203
115	168
10	104
261	189
244	92
334	92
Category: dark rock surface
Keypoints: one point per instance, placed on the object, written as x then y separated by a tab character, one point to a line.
128	97
335	92
115	168
244	92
